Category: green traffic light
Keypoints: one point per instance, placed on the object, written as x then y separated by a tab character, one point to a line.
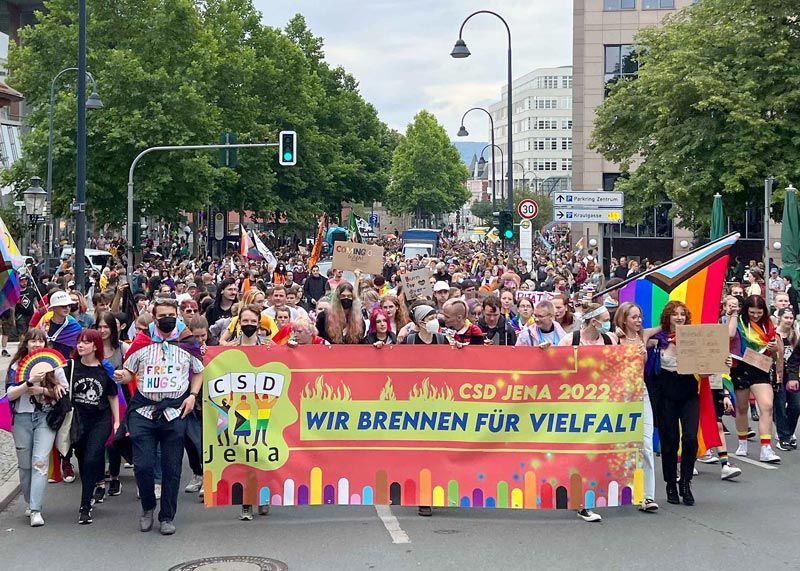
509	234
287	156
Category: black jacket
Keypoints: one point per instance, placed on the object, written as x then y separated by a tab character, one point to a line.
503	334
314	288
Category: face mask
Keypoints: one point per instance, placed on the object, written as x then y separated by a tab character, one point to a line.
605	327
432	326
167	324
249	330
346	303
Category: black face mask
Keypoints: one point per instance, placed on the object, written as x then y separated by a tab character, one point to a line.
346	303
249	330
167	324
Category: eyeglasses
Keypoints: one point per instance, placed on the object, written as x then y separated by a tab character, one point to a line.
190	310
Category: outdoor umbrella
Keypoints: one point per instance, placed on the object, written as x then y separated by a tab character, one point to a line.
717	218
790	236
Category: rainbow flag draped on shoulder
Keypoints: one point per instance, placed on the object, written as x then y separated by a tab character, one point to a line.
696	279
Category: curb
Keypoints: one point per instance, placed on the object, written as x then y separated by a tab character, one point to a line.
9	490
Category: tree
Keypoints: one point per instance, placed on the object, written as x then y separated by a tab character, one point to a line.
428	175
482	209
715	108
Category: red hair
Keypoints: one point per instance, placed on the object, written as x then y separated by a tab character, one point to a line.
91	336
669	309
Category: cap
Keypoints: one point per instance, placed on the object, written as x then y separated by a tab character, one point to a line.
60	299
441	286
774	271
191	285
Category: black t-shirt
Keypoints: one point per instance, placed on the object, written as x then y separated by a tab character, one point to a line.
91	387
27	302
414	339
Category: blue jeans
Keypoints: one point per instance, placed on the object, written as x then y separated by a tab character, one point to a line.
34	441
146	436
786	411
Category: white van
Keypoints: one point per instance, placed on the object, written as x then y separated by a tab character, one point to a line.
95	259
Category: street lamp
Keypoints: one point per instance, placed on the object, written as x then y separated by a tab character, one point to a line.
483	150
524	172
34	198
94	102
462	132
460	51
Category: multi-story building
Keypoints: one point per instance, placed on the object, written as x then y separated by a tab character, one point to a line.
603	37
542	128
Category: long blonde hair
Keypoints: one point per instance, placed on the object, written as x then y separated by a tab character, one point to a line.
621	316
343	327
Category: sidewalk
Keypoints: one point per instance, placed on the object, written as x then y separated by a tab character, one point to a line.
9	482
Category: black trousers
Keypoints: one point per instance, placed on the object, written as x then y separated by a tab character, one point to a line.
91	453
678	419
193	442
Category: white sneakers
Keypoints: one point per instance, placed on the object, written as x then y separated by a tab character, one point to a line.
36	519
768	456
742	449
194	484
729	472
708	458
589	515
158	491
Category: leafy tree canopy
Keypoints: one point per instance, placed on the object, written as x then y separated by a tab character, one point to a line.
715	108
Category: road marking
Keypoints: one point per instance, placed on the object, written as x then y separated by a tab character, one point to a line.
392	525
754	463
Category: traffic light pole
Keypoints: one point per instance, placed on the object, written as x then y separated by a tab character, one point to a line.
129	229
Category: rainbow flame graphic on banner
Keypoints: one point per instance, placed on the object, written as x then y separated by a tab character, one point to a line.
696	279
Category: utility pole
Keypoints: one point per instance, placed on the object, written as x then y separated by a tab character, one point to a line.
80	199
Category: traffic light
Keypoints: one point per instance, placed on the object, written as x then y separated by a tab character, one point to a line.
506	225
287	148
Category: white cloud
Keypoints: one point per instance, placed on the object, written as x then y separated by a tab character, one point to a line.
399	50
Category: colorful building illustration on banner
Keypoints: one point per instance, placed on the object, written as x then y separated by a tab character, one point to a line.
352	425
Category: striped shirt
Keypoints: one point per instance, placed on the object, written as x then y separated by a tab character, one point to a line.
164	372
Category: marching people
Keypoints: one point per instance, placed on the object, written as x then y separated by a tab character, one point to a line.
494	324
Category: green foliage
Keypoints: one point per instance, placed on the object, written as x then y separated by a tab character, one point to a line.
483	210
428	175
715	108
11	217
174	72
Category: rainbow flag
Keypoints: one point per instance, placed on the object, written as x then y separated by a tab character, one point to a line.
316	251
10	261
696	279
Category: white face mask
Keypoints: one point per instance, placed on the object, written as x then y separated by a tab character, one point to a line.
432	326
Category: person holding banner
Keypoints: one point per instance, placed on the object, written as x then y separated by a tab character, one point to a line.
544	332
396	311
754	333
628	325
524	315
379	333
594	331
342	323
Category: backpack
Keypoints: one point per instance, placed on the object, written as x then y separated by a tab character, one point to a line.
576	339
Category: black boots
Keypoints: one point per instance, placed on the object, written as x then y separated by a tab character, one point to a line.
686	492
672	493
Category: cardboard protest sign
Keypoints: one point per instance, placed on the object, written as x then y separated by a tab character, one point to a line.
757	360
354	256
417	284
702	349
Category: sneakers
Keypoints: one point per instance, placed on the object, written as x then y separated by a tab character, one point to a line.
201	493
784	445
754	413
263	510
99	494
157	491
27	512
67	472
589	515
768	456
425	511
742	449
85	517
36	519
247	513
114	488
167	527
793	442
194	485
146	520
751	434
648	505
708	458
695	472
729	472
128	466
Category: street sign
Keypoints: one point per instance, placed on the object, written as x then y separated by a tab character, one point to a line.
594	199
600	215
526	241
528	209
493	235
374	219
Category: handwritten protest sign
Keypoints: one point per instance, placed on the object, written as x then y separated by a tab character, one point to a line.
534	296
757	360
354	256
702	349
417	284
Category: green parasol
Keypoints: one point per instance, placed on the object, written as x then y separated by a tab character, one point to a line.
717	218
790	236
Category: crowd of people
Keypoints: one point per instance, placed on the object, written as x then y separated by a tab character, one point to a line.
166	313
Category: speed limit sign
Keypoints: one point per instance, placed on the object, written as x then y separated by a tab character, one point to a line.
528	209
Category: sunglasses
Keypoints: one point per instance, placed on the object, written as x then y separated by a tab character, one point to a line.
190	310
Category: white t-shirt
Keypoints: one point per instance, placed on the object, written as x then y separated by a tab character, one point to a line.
23	403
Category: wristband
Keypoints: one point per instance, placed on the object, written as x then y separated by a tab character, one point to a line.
193	395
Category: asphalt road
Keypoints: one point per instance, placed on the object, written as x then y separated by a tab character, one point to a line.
745	524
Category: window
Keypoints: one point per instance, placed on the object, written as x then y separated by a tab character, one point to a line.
566	103
611	5
620	62
548	82
609	180
658	4
566	123
545	165
566	164
566	144
566	82
546	124
545	103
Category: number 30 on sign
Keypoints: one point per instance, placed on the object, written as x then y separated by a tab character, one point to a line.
528	209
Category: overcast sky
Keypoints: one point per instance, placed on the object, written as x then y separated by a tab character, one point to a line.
399	50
